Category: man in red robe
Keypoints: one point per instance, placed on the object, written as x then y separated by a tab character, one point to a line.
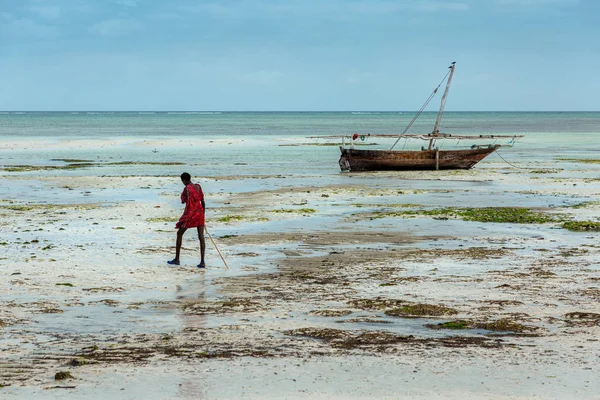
193	217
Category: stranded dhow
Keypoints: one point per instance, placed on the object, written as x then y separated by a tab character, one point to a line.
428	158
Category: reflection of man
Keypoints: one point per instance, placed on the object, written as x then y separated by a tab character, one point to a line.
192	386
193	217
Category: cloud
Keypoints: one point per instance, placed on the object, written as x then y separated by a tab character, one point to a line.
338	9
439	6
262	77
127	3
14	27
355	77
116	27
537	3
47	12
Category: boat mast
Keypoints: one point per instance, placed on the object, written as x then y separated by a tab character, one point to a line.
436	128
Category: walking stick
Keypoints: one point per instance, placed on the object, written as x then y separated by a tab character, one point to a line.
214	244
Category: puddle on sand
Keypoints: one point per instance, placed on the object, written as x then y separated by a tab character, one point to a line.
395	325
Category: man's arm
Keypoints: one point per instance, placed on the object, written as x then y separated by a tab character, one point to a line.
184	196
203	205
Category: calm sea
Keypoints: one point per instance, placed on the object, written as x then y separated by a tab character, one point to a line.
99	125
246	143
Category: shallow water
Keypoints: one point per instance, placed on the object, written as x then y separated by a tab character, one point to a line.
256	143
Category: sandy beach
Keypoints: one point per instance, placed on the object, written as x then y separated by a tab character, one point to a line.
376	285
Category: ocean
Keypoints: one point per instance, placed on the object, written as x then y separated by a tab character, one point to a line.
164	124
259	143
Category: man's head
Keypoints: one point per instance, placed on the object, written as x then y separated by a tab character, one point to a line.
186	178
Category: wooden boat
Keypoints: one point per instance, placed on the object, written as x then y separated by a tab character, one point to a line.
397	160
430	158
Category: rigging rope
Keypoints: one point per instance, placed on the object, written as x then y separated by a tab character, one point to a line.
512	165
421	110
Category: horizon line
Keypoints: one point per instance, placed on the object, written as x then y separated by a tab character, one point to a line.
291	111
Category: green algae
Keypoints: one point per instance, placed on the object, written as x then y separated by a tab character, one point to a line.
19	208
420	310
47	207
62	375
78	362
229	218
103	289
581	160
410	213
239	303
65	284
392	205
232	305
50	310
545	171
363	320
144	163
298	210
581	226
327	334
77	164
162	219
71	160
485	214
377	338
378	303
500	325
585	204
453	325
505	215
116	354
331	313
504	325
30	168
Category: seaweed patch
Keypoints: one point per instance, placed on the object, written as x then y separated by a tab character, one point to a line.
581	226
500	325
421	310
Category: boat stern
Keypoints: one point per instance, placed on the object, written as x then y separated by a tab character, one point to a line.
344	160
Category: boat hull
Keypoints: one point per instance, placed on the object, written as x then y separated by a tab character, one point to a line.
410	160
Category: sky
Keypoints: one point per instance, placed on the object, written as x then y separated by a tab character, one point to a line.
298	55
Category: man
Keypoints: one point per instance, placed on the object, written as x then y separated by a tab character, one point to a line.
193	217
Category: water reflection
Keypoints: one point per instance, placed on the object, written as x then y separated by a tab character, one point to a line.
191	388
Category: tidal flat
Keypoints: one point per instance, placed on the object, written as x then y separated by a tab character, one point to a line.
457	284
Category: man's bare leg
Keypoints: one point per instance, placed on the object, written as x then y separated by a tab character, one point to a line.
202	244
180	233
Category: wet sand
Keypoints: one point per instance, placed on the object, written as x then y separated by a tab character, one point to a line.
336	287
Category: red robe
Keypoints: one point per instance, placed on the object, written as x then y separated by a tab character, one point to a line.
193	215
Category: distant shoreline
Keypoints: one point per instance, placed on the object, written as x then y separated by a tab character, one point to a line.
209	112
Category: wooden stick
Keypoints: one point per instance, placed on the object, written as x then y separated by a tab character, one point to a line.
214	244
